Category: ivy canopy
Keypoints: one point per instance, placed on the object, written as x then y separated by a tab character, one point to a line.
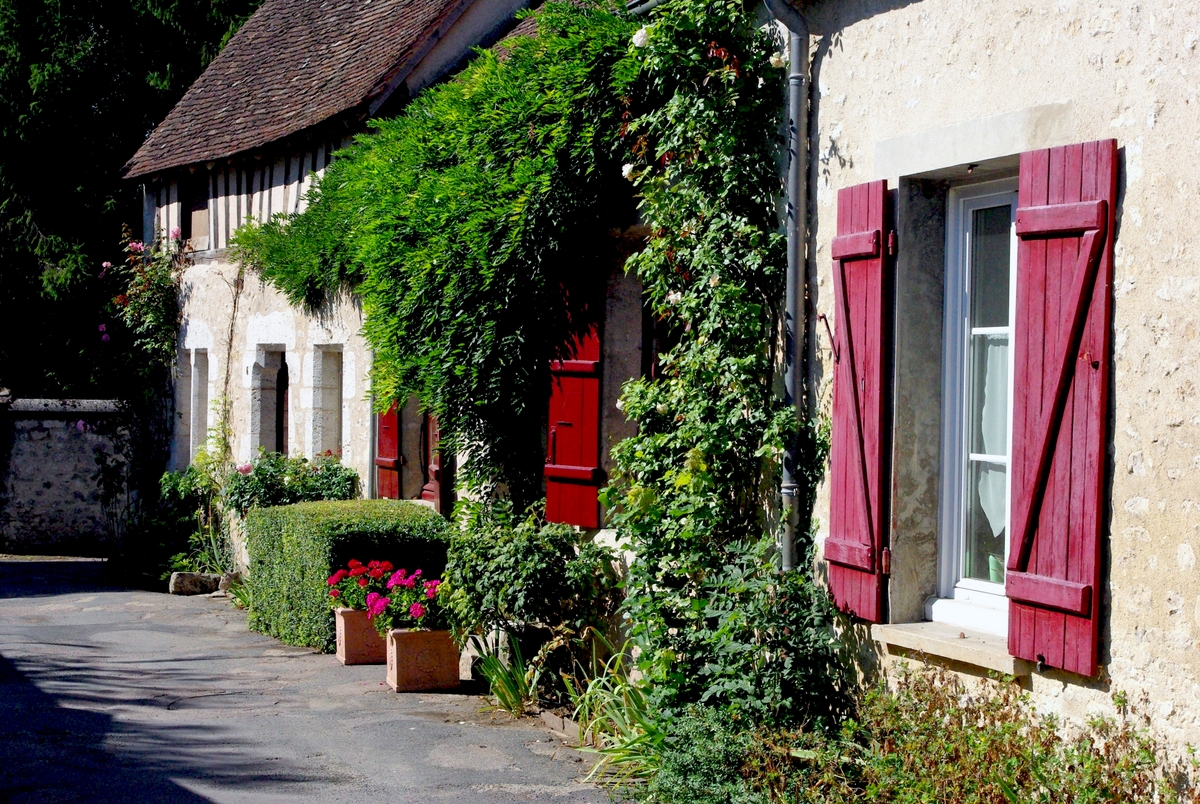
471	227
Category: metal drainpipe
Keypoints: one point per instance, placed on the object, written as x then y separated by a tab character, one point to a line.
797	219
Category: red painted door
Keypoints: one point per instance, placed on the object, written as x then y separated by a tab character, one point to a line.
573	474
1066	213
388	459
854	547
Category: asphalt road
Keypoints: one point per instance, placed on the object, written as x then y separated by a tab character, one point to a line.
113	695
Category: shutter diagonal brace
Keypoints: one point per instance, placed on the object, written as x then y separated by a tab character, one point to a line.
862	245
1090	218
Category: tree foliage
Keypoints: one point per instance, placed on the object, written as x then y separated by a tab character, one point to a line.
474	228
81	85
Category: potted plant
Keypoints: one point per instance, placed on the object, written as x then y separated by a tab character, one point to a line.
357	640
421	655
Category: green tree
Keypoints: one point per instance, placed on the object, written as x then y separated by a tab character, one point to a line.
82	82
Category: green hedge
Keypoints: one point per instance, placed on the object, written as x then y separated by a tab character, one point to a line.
294	548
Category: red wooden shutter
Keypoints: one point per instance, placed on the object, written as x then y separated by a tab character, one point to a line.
387	454
573	474
854	547
1066	213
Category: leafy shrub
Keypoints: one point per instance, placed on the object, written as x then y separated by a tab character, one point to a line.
294	548
931	739
274	479
529	579
702	759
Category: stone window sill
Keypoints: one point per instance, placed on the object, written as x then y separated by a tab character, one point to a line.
941	641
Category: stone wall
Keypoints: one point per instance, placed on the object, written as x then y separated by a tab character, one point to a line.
50	500
888	72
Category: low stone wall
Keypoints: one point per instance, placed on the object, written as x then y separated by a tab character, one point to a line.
50	498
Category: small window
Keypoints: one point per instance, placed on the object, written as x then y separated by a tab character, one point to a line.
327	418
193	208
977	403
269	400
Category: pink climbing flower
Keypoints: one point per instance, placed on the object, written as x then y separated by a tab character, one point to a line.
416	611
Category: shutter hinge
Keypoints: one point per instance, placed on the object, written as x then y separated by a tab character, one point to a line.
892	245
885	561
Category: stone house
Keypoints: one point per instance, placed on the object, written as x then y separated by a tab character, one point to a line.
296	82
1003	287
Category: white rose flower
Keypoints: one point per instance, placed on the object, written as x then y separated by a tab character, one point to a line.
627	171
778	60
642	37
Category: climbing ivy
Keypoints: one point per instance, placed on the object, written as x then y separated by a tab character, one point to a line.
459	224
694	489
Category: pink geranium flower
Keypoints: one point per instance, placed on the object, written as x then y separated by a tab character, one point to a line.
416	611
376	604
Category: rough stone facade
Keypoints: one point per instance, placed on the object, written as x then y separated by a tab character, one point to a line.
243	330
888	72
50	500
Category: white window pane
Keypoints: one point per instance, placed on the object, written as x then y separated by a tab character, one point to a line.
988	410
990	252
987	522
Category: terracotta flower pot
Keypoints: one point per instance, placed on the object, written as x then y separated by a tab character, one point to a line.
421	660
357	640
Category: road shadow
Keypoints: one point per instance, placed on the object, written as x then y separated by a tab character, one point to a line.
80	725
34	577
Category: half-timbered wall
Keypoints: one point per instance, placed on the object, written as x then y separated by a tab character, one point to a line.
240	190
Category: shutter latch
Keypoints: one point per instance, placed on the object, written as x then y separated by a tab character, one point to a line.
892	245
885	561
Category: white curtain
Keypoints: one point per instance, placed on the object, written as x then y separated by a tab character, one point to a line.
993	427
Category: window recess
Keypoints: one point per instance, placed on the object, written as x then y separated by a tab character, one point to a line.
977	394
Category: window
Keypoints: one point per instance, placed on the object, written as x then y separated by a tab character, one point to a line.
193	209
199	401
327	399
977	406
269	400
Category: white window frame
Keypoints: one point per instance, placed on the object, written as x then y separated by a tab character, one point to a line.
966	602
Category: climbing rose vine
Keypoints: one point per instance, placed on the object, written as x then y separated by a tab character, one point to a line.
693	494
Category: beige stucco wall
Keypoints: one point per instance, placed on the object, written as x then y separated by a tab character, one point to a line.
885	69
264	317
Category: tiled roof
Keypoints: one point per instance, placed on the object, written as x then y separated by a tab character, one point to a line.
293	65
